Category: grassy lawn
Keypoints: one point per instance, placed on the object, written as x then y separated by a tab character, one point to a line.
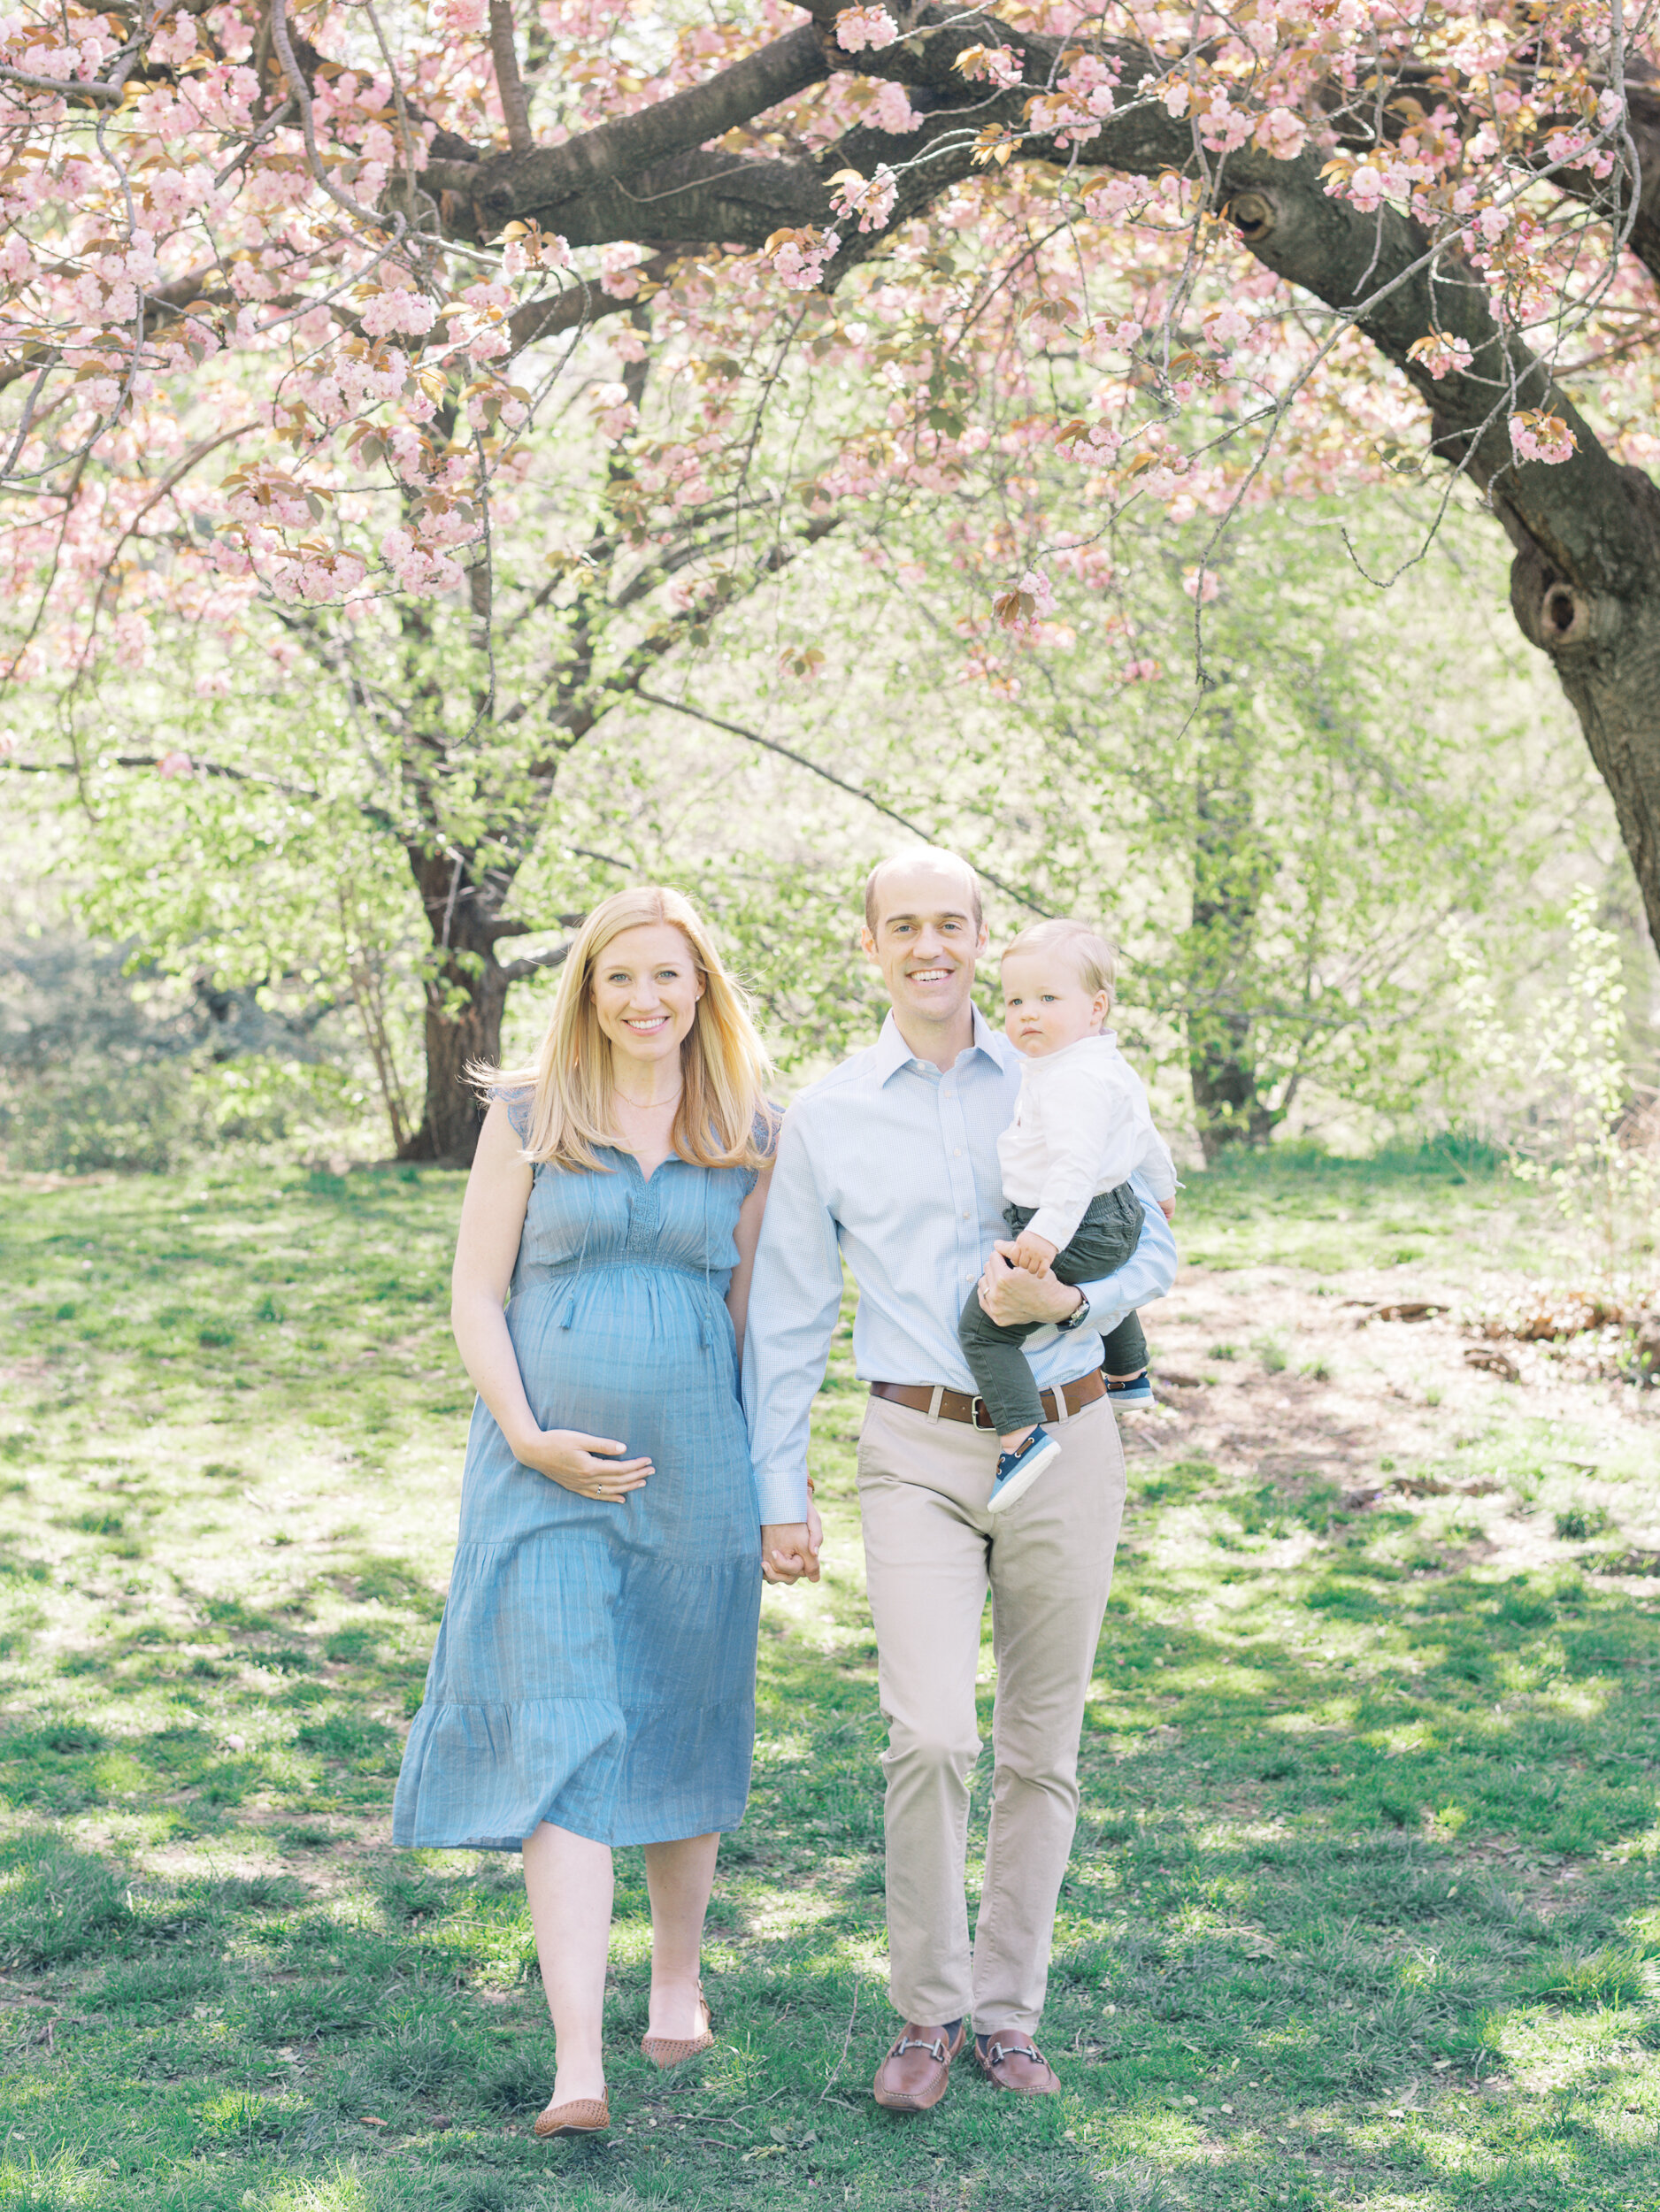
1365	1909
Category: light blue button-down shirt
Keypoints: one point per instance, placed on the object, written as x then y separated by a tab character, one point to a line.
895	1163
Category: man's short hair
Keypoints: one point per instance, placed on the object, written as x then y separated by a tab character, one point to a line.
1082	943
924	856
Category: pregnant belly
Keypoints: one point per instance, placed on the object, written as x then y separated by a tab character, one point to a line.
665	1364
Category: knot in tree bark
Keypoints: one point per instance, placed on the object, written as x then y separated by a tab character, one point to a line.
1253	214
1560	617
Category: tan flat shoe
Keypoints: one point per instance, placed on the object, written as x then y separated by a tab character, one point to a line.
667	2050
585	2116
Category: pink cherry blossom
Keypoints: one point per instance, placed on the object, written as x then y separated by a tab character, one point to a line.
1440	354
1535	436
1283	133
858	28
799	256
174	44
891	110
619	271
999	66
870	198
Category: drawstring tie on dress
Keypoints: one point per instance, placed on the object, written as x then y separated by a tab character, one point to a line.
569	1308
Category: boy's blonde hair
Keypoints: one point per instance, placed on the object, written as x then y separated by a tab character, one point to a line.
1084	945
723	1064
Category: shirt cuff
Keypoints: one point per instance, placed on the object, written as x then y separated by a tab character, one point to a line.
781	1494
1056	1223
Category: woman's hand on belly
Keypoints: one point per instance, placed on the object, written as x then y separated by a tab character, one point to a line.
591	1465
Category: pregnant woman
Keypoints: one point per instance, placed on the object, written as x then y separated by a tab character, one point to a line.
593	1679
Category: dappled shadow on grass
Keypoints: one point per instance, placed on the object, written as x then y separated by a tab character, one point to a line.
1286	1898
1363	1851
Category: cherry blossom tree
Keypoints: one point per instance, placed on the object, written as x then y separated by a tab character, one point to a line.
296	298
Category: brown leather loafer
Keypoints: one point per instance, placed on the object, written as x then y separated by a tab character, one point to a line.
584	2116
916	2071
1014	2061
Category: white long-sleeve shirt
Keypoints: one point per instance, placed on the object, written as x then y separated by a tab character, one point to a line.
1081	1125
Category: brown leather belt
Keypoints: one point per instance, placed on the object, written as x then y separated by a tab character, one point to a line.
957	1405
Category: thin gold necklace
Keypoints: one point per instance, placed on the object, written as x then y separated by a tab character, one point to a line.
646	1106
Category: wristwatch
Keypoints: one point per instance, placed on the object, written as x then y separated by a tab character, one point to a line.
1075	1319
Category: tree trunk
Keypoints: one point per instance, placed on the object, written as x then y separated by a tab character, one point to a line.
1228	1107
467	996
1605	647
1231	868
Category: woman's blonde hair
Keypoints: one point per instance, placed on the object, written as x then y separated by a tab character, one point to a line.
1090	952
723	1064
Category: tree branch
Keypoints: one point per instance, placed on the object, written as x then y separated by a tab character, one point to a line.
515	970
496	931
853	790
546	177
509	84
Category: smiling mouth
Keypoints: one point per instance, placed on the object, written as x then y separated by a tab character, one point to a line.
656	1021
929	975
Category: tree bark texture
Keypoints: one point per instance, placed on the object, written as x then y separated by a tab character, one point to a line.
466	996
1231	870
1585	580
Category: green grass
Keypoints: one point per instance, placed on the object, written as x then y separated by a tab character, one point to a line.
1434	1205
1363	1910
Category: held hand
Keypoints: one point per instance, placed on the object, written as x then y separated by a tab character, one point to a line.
591	1465
1167	1207
1009	1293
790	1549
1034	1253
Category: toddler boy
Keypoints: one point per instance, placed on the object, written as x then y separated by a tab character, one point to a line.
1081	1125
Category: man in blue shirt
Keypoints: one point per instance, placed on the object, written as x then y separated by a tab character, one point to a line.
892	1162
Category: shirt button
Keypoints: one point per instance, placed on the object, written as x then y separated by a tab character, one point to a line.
958	1154
966	1215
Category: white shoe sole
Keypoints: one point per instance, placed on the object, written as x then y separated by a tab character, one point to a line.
1018	1485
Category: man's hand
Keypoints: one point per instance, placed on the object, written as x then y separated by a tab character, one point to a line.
1009	1293
790	1549
1034	1253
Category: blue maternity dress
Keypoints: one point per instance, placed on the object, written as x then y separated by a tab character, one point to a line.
595	1663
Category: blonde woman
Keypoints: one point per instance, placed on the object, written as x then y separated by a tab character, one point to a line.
594	1680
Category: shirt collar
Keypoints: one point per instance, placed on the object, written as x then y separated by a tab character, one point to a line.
892	1053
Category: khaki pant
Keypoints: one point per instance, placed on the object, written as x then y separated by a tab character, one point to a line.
931	1551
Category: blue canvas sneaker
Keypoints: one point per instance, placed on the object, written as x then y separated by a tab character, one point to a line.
1017	1471
1137	1391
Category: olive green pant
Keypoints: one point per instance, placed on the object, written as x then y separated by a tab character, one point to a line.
1100	1245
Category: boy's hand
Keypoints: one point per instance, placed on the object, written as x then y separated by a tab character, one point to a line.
1167	1207
1034	1254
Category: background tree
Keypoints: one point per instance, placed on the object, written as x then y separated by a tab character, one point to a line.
1415	803
428	731
293	234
